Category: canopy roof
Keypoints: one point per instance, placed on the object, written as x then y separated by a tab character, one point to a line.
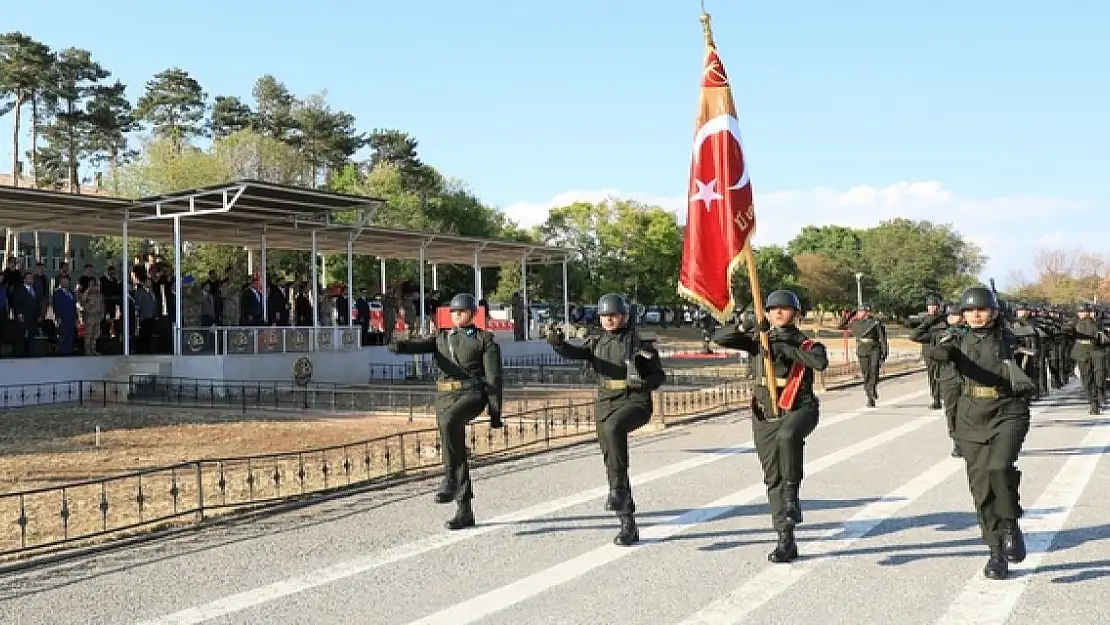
238	213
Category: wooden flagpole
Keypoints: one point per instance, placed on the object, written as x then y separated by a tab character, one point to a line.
764	341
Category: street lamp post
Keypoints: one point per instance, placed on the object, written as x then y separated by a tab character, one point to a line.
859	290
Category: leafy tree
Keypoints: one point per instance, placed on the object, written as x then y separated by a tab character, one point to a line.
173	106
25	66
911	260
228	116
622	246
274	107
69	129
110	120
247	154
327	139
398	149
828	286
775	268
840	244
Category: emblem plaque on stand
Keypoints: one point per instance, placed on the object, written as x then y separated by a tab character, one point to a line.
302	371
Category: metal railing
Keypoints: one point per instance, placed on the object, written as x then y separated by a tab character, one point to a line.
190	492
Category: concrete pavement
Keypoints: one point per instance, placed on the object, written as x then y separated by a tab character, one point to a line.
889	537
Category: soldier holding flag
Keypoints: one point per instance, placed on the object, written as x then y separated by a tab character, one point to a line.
719	225
780	438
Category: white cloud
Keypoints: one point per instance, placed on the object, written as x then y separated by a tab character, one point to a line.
1008	228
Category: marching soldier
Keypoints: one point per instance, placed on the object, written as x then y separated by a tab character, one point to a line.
992	419
1030	344
871	349
949	378
779	440
932	327
628	371
1062	366
1089	355
469	380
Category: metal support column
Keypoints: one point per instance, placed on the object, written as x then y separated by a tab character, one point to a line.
382	274
524	296
477	278
250	262
423	304
435	277
566	294
315	295
178	291
350	280
264	279
125	303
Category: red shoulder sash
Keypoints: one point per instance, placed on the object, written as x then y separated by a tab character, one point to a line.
794	381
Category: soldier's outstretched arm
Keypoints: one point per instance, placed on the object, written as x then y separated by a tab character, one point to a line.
413	346
558	342
884	345
816	357
650	368
923	332
733	337
495	379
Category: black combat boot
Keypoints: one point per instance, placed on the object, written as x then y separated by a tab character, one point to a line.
793	505
786	550
1095	409
956	453
1013	541
936	405
446	492
870	402
629	534
996	567
464	517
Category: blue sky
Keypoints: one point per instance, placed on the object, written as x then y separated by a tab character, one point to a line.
973	112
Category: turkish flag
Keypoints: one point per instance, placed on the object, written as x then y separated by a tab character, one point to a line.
720	217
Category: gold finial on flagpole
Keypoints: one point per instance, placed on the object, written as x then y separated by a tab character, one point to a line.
705	27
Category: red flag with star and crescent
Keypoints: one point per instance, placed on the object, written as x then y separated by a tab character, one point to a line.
720	217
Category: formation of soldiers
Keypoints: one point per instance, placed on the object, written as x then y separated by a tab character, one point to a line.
986	366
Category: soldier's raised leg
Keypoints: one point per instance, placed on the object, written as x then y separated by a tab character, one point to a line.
612	434
453	413
779	443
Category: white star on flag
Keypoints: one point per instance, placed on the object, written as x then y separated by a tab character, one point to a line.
707	192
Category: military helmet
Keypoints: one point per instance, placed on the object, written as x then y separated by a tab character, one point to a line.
612	304
463	301
782	299
1022	306
1085	307
952	309
932	300
978	297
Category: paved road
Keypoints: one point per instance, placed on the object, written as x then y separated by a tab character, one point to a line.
889	538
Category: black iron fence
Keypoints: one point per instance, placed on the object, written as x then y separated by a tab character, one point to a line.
190	492
545	369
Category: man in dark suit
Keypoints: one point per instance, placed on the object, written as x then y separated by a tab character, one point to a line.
65	313
28	309
250	306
